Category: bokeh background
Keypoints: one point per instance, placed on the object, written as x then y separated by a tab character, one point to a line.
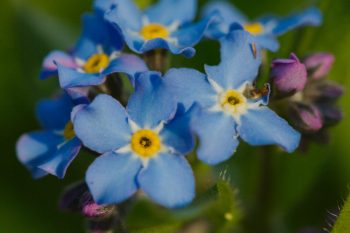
303	187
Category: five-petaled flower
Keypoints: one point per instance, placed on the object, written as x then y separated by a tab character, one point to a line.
96	55
264	29
166	25
52	150
142	145
227	105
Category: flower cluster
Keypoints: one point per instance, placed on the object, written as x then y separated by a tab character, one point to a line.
141	139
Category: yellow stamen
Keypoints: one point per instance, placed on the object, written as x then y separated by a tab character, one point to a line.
254	28
96	63
68	132
153	31
145	143
233	101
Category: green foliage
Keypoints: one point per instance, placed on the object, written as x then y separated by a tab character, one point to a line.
343	223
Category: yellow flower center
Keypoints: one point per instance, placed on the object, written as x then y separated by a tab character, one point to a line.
254	28
68	132
145	143
153	31
233	101
96	63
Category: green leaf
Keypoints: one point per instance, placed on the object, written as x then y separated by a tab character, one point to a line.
342	225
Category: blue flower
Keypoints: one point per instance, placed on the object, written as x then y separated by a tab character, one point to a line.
96	55
53	149
265	29
227	105
142	145
166	25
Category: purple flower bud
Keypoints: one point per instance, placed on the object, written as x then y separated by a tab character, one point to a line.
323	91
319	64
288	75
307	118
331	114
91	209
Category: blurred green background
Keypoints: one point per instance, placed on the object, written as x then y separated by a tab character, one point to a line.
303	188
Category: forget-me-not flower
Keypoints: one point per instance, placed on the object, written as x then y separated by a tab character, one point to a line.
51	150
165	25
265	29
142	145
227	108
96	55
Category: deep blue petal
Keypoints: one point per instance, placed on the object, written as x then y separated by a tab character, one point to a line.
168	11
177	133
150	104
55	113
262	126
308	17
128	64
102	126
239	61
217	136
187	51
168	180
112	177
188	86
101	6
97	32
69	78
57	163
33	149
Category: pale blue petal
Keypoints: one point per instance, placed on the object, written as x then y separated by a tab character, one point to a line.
112	178
57	163
55	113
217	136
238	64
168	11
102	126
49	66
189	86
150	104
262	126
227	11
168	180
69	78
267	42
125	16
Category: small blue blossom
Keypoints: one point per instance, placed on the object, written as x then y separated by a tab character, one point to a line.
166	25
96	55
265	29
142	145
225	106
53	149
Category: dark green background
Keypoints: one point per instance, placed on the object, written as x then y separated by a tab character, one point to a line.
304	187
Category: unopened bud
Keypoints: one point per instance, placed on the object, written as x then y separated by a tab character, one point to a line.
307	118
319	64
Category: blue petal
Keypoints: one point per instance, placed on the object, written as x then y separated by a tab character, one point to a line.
177	133
227	11
101	6
217	136
55	113
238	63
128	64
34	148
49	66
125	16
309	17
168	180
262	126
57	163
190	35
112	177
188	86
267	42
102	126
69	78
168	11
97	32
150	104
